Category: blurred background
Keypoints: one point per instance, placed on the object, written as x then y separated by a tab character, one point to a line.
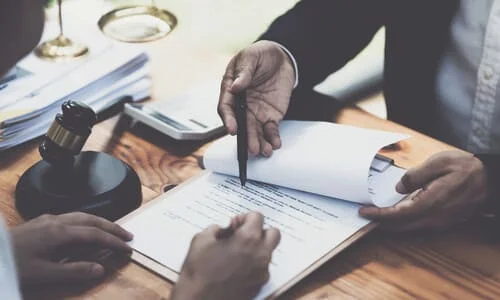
219	28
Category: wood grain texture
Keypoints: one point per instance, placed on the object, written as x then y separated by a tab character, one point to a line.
460	264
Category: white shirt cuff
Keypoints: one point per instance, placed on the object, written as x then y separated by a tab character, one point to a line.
294	62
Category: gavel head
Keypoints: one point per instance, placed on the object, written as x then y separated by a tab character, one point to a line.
67	134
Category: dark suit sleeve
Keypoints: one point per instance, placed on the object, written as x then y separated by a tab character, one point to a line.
323	35
492	164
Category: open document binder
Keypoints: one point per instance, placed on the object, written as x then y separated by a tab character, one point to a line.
298	190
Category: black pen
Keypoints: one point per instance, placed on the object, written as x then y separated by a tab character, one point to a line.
242	136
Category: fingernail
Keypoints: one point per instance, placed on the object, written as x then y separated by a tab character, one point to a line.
129	236
400	188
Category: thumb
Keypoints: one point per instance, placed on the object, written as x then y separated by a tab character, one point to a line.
418	177
73	271
245	67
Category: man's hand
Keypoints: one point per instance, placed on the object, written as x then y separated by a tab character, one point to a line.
41	244
235	267
267	75
447	189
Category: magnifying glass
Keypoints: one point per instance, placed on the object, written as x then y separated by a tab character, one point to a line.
137	23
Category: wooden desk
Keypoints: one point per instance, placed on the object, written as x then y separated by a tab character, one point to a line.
460	264
463	263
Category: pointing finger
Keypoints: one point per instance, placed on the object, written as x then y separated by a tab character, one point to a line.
95	237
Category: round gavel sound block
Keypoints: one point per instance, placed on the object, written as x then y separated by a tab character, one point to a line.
68	180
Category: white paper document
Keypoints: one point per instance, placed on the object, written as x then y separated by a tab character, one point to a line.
317	157
318	168
310	225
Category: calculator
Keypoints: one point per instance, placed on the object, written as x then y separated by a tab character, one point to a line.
189	116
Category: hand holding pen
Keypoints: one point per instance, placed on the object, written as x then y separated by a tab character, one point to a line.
265	73
229	263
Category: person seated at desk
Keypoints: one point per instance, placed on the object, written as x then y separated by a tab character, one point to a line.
240	259
441	77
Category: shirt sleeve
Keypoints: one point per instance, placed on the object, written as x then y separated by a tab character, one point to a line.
9	286
294	62
323	35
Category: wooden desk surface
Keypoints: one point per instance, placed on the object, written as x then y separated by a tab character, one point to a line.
460	264
463	263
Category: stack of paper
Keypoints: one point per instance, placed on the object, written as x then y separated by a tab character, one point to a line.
32	93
